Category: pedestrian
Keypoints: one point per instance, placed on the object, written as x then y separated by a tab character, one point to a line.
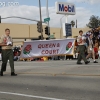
96	49
7	52
81	48
90	45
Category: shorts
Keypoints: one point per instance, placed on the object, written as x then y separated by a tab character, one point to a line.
90	50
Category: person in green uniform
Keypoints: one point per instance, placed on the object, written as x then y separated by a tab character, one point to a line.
7	52
81	48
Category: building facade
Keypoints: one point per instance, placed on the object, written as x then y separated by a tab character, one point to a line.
21	31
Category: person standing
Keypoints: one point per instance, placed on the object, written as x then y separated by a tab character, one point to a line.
7	52
96	48
81	48
90	44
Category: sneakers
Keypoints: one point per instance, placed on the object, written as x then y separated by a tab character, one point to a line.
87	62
13	74
79	63
95	62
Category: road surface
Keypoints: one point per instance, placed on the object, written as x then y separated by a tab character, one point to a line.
51	80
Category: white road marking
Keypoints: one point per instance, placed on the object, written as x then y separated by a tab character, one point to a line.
30	96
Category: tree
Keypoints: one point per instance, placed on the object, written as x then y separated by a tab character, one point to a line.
72	23
94	22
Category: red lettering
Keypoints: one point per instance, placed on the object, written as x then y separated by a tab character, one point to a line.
50	52
50	45
46	52
54	51
43	52
47	45
53	45
66	9
57	51
39	46
58	44
43	46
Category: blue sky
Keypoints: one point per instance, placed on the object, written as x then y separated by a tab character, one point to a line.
30	9
92	5
35	2
83	3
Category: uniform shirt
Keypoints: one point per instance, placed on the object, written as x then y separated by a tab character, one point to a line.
79	40
6	39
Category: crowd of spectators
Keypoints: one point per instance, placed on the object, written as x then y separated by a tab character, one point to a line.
96	41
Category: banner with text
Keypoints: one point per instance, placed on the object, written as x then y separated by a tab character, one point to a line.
47	48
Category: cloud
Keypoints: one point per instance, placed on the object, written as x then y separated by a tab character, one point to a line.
7	0
32	12
86	1
82	18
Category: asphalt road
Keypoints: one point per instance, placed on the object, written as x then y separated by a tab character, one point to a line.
52	80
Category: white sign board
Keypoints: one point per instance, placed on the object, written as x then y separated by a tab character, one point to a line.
65	8
47	48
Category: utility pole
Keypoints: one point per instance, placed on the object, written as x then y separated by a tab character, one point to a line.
40	19
76	23
0	19
47	12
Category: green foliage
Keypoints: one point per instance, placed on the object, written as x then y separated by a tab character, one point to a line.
94	22
73	23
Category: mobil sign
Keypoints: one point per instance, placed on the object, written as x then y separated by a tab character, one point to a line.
65	8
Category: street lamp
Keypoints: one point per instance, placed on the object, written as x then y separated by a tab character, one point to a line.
61	26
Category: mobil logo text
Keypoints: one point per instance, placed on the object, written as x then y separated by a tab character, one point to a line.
66	8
